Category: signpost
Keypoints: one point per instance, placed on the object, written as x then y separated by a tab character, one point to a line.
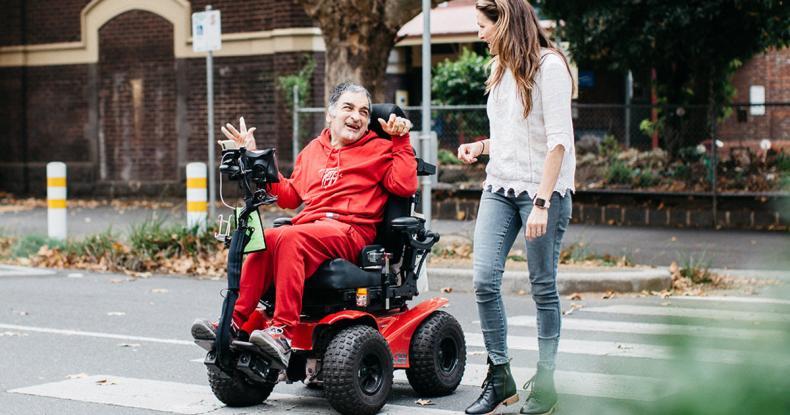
207	37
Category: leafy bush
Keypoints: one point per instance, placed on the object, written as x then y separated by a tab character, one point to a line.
646	178
619	173
461	81
153	239
30	244
609	147
447	157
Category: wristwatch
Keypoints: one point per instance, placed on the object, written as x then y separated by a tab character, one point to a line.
541	203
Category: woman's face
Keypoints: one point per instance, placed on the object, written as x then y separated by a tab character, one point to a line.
485	29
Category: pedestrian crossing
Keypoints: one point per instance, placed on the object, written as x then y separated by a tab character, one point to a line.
600	352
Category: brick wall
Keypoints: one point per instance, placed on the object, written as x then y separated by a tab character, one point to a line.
137	99
129	123
771	70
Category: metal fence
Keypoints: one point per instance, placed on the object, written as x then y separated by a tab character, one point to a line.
630	125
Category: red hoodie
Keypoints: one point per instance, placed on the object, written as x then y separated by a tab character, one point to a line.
349	184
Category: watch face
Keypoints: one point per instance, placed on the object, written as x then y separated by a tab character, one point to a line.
540	202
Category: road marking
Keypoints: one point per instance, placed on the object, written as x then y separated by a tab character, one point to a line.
182	398
726	299
581	324
670	311
94	334
577	383
615	349
15	271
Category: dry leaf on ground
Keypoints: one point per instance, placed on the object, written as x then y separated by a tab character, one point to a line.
423	402
609	295
575	297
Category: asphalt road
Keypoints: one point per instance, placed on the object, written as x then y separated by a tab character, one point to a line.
76	342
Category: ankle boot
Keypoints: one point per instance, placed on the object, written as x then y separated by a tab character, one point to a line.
498	388
542	398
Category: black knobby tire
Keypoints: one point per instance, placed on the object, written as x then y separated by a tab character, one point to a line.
237	391
357	371
437	356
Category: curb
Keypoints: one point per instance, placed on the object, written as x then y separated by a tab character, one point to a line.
568	280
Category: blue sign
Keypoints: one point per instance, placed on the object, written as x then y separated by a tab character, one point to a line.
586	79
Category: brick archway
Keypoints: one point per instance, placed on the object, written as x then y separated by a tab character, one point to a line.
136	102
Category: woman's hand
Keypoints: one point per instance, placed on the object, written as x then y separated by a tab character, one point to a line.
243	138
395	126
468	153
536	223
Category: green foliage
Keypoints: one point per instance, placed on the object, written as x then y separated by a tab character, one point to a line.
30	244
447	157
301	80
619	173
153	238
609	147
646	178
461	81
697	270
694	46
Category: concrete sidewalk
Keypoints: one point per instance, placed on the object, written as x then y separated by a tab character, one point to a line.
756	253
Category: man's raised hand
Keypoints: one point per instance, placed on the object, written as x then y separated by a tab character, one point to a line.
243	138
395	126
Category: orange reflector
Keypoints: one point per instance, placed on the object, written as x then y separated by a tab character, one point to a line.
56	203
56	182
197	206
196	183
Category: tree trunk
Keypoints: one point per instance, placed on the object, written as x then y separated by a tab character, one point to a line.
359	35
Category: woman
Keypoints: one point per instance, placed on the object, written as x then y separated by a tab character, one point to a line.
529	180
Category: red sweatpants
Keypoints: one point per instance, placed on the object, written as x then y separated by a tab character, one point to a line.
293	253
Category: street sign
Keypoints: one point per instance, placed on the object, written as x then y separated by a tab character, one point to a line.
206	31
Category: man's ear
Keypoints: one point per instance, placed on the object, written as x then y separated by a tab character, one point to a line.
328	119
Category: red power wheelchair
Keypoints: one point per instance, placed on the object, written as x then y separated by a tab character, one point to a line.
356	326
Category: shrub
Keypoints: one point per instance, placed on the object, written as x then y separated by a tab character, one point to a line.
447	157
619	173
609	147
30	244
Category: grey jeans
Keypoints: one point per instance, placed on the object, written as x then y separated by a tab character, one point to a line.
500	219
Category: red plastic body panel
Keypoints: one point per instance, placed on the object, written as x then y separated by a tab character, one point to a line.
396	327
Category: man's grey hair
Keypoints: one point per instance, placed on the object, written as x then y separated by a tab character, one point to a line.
344	87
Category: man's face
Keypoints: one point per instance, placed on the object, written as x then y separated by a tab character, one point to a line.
349	120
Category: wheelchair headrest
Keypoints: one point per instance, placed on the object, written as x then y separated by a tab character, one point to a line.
383	111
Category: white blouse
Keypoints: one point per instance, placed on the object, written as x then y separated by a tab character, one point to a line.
518	145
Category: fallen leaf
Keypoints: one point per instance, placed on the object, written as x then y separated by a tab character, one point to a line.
129	344
103	382
447	289
521	292
21	313
573	308
423	402
609	295
575	297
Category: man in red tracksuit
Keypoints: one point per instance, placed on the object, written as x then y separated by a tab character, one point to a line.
343	178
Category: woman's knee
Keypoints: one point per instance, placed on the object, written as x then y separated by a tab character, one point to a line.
545	292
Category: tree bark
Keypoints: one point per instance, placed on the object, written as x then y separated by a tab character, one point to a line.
359	35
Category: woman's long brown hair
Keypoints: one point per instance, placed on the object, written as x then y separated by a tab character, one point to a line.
517	40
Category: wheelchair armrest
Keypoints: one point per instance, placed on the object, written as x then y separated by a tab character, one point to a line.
407	224
281	221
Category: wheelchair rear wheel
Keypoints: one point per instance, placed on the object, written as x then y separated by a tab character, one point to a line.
437	356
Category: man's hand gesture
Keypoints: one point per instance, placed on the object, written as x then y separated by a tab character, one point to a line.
395	126
243	138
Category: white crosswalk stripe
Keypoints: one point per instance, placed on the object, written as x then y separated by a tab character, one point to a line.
751	316
627	327
577	383
727	299
611	348
180	398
